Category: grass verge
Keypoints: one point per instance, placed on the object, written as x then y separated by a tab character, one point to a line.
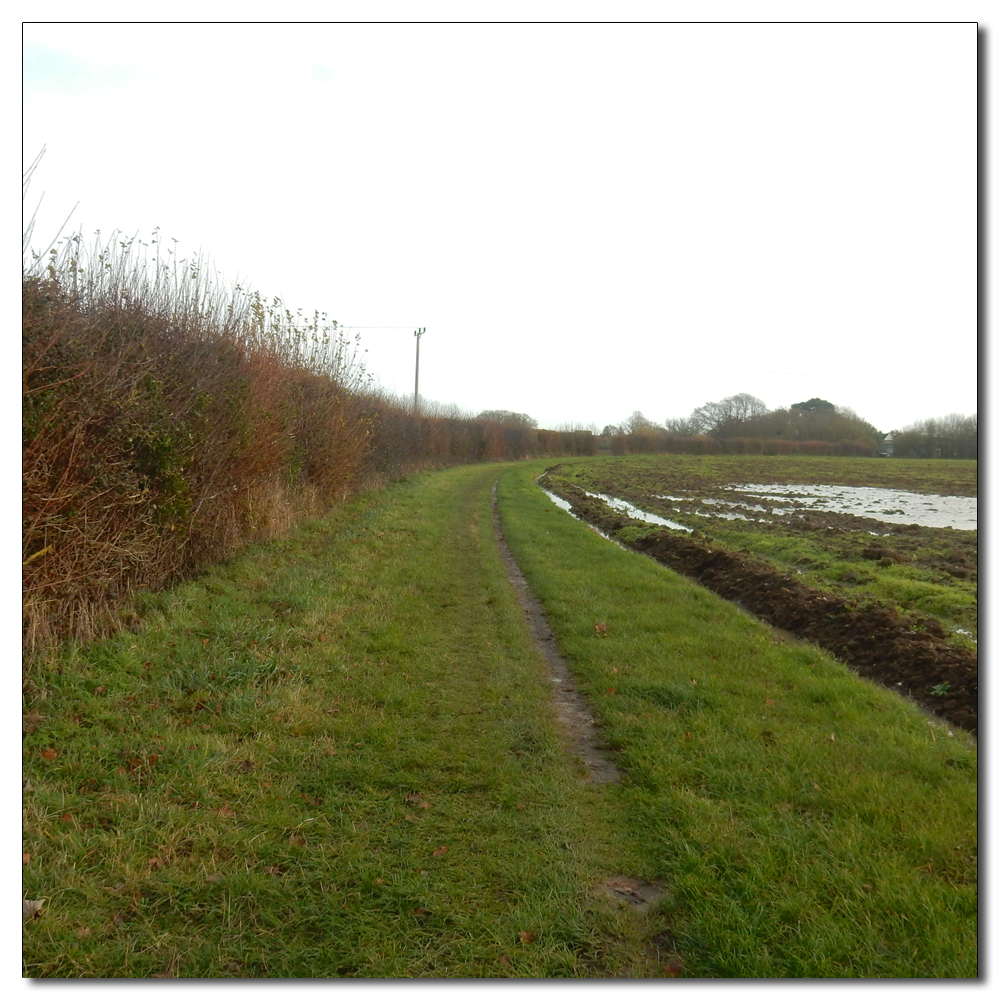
808	823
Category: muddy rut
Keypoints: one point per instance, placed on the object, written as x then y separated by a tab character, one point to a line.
572	709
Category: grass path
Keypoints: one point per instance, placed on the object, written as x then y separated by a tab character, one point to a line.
337	756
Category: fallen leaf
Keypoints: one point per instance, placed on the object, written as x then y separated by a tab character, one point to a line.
674	967
412	819
155	863
602	630
30	908
506	962
441	850
82	932
768	701
421	912
215	877
100	690
26	859
829	738
226	812
527	937
50	754
118	919
247	765
66	818
274	870
296	839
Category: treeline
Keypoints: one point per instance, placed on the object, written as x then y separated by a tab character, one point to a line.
952	436
167	422
743	425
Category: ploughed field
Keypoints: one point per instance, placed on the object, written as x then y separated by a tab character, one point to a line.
854	555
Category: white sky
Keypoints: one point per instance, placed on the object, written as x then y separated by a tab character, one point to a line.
588	219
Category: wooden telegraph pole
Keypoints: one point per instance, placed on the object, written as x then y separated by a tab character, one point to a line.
416	377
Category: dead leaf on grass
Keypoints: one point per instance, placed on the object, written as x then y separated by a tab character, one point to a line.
674	967
527	937
441	850
602	630
26	859
30	908
506	962
215	877
226	813
50	754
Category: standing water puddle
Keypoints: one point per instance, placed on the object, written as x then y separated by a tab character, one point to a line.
640	515
893	506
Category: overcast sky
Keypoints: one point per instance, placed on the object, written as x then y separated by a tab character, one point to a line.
587	219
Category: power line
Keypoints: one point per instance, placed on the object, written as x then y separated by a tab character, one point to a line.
772	371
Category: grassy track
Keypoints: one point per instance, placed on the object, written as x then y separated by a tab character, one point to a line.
335	756
808	823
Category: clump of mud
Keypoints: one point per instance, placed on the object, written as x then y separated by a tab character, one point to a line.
909	654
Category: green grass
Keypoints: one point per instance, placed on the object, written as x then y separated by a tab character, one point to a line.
808	822
259	780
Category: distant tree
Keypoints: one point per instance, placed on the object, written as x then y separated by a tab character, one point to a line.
813	404
507	418
681	426
729	416
638	423
611	430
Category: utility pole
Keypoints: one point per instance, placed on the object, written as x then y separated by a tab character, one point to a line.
416	377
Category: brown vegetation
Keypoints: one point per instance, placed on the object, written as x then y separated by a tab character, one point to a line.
165	424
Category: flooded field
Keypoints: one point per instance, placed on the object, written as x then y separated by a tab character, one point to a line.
880	503
883	575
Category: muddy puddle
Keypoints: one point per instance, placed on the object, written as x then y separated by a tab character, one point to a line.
890	506
878	503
